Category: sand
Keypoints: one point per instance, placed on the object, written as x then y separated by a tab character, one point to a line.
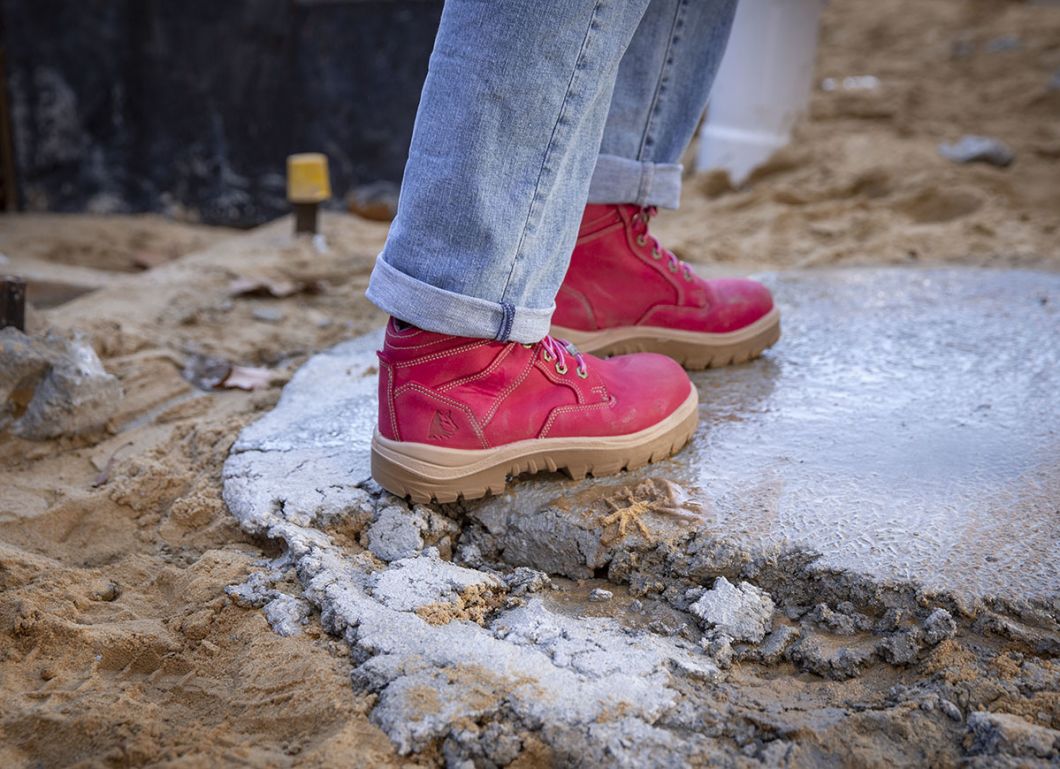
119	646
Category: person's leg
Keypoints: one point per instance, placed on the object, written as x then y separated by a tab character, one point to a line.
505	142
662	88
663	84
508	130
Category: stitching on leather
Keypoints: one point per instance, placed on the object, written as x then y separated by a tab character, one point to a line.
417	387
566	409
390	398
446	354
509	389
481	374
550	374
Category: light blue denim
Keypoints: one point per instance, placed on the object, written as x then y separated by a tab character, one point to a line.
531	108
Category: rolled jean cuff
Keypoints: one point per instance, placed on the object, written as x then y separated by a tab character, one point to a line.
621	180
446	312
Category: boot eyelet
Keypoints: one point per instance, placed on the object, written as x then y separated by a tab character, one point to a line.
673	267
527	346
656	254
582	372
641	240
561	368
547	358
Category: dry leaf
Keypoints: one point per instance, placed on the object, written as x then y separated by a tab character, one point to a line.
247	378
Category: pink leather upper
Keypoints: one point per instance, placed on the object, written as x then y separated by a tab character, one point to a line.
475	393
620	276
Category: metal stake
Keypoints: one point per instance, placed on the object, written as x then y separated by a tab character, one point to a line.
13	302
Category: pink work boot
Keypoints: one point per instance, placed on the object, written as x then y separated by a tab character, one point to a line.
625	293
459	416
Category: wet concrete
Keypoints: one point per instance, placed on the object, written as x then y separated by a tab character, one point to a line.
906	427
893	460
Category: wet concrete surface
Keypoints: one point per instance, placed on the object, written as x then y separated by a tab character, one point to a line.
876	495
906	427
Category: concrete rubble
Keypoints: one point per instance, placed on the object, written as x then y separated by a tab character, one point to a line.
51	386
463	623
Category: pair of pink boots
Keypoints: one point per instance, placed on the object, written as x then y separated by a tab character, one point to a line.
459	416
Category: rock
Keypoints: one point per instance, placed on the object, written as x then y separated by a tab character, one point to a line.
845	621
268	314
1005	734
525	580
742	613
287	614
720	649
53	386
437	590
939	626
900	648
978	149
808	654
599	595
776	643
396	533
952	711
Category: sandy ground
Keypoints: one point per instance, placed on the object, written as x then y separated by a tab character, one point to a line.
119	646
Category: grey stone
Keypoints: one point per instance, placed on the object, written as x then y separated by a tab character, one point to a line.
396	533
599	595
61	384
952	711
743	613
840	664
839	622
268	314
978	149
525	580
900	648
1006	734
287	614
776	644
414	583
939	626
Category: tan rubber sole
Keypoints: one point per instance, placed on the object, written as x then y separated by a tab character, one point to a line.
425	473
692	349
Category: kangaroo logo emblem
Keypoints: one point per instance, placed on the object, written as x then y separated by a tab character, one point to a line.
442	426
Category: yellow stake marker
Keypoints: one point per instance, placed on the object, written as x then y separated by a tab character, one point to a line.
308	186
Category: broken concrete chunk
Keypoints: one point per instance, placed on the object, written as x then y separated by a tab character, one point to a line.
1008	735
844	620
526	580
776	643
939	626
978	149
396	533
599	595
900	648
742	613
287	614
53	386
438	591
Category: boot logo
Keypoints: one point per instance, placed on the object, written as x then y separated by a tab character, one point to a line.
442	426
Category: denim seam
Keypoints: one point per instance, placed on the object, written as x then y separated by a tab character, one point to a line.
508	310
552	142
668	61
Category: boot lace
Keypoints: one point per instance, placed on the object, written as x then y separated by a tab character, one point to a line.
640	229
557	350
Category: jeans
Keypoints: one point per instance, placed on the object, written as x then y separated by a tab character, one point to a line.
531	109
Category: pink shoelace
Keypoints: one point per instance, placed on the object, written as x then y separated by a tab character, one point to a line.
640	227
557	350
